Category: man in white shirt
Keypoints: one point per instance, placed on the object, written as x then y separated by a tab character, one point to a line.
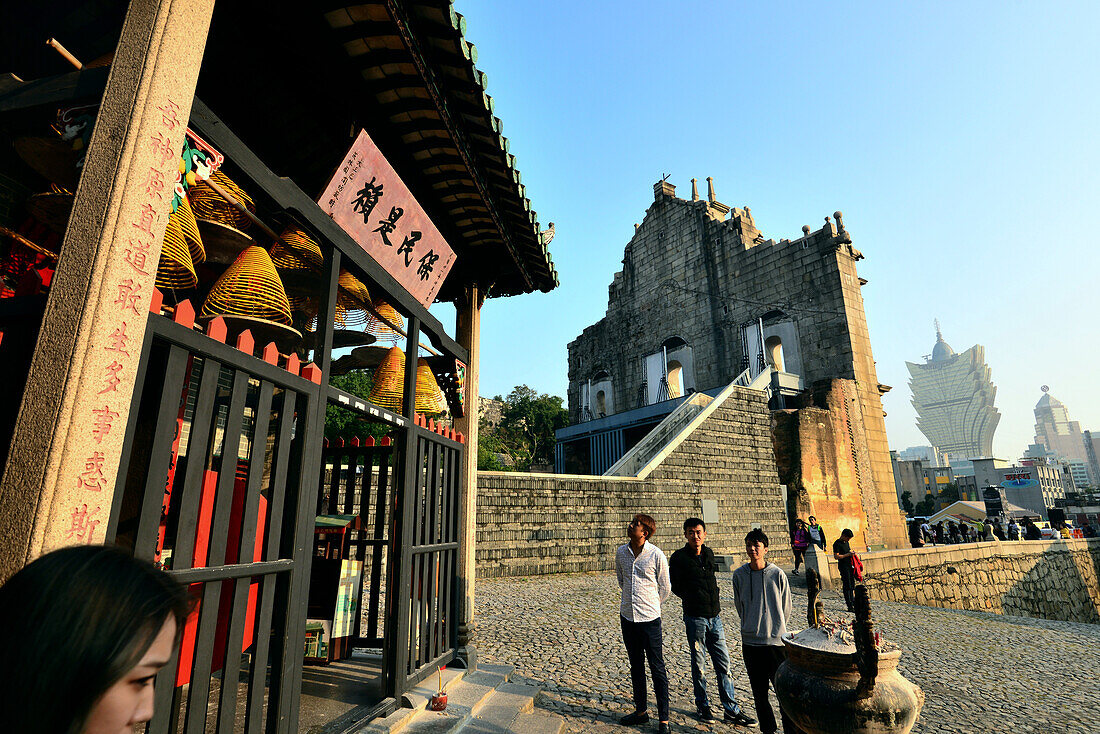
642	571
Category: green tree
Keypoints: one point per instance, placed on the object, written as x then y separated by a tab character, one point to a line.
347	424
949	493
526	431
926	506
907	503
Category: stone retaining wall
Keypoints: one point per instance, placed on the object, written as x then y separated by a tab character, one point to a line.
530	524
1041	578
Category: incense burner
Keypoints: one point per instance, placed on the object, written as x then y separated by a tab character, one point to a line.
845	683
821	692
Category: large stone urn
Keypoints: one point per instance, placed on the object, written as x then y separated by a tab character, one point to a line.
862	692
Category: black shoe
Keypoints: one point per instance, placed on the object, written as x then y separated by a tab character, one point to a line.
739	719
664	728
634	719
707	715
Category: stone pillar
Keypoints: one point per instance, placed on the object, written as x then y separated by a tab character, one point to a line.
59	482
468	334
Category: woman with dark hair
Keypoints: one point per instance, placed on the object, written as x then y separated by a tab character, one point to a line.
800	541
88	628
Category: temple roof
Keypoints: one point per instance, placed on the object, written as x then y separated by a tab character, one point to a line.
295	80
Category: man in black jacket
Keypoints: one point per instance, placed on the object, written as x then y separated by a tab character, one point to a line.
692	572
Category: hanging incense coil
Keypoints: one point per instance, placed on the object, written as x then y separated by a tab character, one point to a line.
190	229
379	328
250	287
54	159
429	397
18	239
176	268
304	302
388	386
21	258
347	318
210	206
52	208
296	250
352	293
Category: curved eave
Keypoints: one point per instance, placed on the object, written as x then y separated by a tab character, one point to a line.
441	113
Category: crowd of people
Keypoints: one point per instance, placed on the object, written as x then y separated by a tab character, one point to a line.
941	533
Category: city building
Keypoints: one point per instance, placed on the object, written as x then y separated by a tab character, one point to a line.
928	454
1092	452
953	395
1055	431
1034	487
908	477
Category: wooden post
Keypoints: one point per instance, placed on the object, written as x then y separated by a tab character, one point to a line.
60	479
468	335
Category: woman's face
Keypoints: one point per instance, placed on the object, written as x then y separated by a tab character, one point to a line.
130	700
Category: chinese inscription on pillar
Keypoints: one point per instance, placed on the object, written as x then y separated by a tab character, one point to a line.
370	201
115	344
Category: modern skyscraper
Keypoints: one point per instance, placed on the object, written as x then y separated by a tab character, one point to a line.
953	395
1055	431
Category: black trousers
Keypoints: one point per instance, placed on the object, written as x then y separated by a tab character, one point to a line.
761	663
644	640
848	578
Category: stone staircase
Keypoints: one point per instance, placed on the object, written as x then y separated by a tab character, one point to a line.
672	426
481	702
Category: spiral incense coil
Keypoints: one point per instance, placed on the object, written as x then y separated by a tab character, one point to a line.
429	397
303	302
297	251
380	329
352	294
175	269
209	205
250	287
190	228
388	385
19	239
347	318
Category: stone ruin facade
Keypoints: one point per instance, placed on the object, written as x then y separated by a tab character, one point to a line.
703	296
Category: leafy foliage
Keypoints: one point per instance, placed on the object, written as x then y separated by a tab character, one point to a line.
525	435
949	493
343	423
907	503
926	506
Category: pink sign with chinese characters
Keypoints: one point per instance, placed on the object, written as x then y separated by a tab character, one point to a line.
370	201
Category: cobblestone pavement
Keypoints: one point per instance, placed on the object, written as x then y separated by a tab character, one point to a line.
980	672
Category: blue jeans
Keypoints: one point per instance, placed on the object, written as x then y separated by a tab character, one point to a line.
705	635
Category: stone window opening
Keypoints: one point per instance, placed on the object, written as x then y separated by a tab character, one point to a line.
601	390
675	379
773	350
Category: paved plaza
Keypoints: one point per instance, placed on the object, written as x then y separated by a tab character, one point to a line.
980	672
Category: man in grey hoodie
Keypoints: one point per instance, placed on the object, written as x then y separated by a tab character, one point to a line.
763	600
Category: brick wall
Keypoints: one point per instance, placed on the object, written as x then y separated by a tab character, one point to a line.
1038	578
531	524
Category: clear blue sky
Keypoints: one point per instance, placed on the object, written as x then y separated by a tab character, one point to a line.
959	139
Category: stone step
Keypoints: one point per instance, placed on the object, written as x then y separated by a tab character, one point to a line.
414	702
482	702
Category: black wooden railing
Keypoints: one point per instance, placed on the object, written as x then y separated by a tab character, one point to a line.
357	479
229	431
429	629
